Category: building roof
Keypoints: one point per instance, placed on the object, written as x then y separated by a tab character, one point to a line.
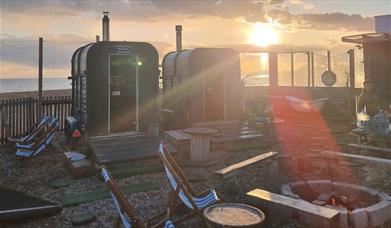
367	38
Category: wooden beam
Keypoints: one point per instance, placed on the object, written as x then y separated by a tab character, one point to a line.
367	147
367	159
311	214
229	171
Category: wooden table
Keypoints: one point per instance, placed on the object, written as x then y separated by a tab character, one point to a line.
200	144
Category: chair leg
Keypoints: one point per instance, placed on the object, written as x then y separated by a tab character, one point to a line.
117	222
184	217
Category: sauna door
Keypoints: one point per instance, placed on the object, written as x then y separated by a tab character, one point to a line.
123	93
214	94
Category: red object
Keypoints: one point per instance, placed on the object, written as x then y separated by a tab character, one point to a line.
76	134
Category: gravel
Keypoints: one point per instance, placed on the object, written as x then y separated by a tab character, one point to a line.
37	175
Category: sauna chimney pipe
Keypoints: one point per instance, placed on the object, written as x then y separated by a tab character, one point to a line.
178	29
105	27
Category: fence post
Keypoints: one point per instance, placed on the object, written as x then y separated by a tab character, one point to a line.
352	82
40	59
7	129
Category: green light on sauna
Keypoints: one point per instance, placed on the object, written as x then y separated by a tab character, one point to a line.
139	63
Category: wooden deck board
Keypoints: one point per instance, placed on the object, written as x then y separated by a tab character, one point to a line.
232	168
123	148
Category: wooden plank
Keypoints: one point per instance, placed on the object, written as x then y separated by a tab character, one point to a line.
177	135
367	147
237	137
367	159
311	214
232	168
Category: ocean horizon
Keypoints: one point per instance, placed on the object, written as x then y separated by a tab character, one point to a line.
9	85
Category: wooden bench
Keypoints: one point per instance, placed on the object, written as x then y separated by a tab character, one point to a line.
232	169
311	214
179	139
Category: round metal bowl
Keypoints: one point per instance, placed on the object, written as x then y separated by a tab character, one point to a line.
233	215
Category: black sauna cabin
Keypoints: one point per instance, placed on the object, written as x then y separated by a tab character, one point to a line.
115	87
201	85
377	61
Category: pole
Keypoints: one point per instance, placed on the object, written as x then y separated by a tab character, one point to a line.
105	27
273	70
292	70
352	74
308	69
352	82
178	29
40	60
313	69
328	61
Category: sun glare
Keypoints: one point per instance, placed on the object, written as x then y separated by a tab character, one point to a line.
263	35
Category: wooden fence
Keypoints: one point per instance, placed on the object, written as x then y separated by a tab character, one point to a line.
18	115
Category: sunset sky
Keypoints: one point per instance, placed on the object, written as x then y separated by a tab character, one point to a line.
68	24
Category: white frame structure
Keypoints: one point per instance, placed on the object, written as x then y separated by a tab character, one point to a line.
109	92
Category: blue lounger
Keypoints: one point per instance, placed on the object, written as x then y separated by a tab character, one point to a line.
45	139
33	132
125	211
43	133
180	188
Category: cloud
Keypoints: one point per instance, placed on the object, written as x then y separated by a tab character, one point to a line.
144	10
324	21
58	49
306	5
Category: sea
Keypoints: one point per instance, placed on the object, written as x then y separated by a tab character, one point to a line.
31	84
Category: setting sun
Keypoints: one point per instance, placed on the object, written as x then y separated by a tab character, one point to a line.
263	35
